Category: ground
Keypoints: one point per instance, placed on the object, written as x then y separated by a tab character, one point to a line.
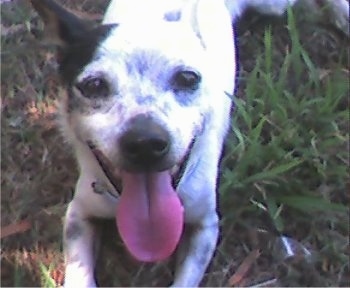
284	171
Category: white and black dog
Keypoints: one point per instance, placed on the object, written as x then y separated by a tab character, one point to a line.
146	110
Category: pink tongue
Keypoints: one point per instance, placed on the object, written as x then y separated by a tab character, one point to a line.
149	215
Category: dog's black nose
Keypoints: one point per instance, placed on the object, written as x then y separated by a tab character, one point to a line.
145	143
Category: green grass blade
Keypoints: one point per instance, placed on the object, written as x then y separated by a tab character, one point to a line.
311	204
274	212
46	280
274	172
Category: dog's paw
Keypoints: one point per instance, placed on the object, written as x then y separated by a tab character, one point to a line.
82	284
76	283
78	276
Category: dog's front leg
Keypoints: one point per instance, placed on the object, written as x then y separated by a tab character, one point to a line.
79	241
195	251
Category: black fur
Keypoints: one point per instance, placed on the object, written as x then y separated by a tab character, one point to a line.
80	51
76	39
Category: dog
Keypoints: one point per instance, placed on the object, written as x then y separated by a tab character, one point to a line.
146	110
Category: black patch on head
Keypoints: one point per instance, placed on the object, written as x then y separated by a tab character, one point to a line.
80	51
73	102
61	24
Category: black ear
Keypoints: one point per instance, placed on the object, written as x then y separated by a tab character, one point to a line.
62	27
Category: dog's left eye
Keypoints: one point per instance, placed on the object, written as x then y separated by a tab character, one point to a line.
186	80
95	87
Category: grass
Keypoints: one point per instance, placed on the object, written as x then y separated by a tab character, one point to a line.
284	172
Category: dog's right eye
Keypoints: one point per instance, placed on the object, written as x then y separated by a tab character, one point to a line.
92	88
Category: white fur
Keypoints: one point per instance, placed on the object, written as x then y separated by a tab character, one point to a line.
192	41
199	35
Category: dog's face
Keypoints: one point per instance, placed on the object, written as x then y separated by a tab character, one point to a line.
141	91
138	99
149	95
143	99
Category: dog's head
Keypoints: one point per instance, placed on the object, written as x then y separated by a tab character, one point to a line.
145	84
139	87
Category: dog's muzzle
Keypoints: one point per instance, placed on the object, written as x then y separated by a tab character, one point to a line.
149	212
145	145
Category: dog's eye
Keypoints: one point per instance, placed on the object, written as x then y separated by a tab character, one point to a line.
94	88
186	80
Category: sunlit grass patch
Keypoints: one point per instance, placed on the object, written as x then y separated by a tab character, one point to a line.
287	155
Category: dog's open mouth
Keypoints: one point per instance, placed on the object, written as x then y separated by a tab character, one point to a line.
149	213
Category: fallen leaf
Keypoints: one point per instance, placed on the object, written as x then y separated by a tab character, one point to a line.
242	270
58	276
15	228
